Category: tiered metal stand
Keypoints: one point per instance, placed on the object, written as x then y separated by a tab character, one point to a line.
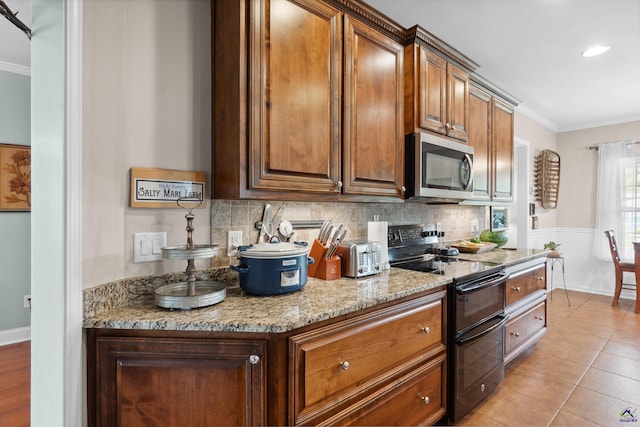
192	293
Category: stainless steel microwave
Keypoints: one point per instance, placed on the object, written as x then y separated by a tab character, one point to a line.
438	170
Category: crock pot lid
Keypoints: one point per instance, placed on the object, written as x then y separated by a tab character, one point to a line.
273	250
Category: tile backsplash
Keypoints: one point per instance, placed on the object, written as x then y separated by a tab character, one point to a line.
242	215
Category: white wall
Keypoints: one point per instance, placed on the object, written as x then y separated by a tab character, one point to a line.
147	102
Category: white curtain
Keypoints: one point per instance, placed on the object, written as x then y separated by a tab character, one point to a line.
611	161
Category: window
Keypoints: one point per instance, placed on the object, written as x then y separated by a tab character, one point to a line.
630	206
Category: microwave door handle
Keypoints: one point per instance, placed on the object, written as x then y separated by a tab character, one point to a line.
466	171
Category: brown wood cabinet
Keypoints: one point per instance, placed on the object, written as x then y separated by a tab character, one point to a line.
436	89
523	282
526	306
165	380
525	328
278	102
491	136
382	366
343	365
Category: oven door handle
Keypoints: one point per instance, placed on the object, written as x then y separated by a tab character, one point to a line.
465	340
474	286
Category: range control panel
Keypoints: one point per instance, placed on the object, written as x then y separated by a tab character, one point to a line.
409	235
406	241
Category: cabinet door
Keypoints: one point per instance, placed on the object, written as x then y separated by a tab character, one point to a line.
179	382
432	92
480	140
457	103
373	112
295	96
502	135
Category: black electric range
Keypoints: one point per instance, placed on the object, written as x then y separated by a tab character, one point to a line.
414	247
475	314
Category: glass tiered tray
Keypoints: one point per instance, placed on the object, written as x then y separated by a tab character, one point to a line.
192	293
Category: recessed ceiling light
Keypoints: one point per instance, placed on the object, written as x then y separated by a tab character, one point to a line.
595	51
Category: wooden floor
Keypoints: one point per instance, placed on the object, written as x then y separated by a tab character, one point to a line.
584	372
15	384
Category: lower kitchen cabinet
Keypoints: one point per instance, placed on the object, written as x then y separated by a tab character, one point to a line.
137	380
352	366
381	366
526	307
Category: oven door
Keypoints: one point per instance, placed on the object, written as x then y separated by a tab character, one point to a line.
478	300
479	366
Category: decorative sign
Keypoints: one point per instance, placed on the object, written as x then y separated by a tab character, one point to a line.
161	188
15	177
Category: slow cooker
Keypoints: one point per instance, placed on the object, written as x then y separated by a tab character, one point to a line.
273	268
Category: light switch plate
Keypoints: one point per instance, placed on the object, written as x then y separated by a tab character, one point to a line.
147	247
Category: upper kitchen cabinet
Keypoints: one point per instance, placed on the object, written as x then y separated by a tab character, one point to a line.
491	136
373	112
283	125
436	87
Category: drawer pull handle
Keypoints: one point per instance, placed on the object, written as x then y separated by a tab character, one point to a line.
517	334
426	330
425	399
254	360
538	317
539	278
517	288
344	365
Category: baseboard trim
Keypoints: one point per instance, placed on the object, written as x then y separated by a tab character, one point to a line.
12	336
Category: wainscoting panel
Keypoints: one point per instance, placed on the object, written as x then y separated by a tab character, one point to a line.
583	272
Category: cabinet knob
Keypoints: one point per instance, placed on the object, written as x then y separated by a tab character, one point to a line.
538	317
344	365
402	189
516	288
539	278
426	330
425	399
516	334
338	185
254	360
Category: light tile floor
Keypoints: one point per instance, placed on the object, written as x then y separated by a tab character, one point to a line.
585	371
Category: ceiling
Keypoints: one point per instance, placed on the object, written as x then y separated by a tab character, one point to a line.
15	46
530	48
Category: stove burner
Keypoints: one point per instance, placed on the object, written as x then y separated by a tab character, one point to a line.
427	264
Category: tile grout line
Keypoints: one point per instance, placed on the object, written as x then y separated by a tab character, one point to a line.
575	386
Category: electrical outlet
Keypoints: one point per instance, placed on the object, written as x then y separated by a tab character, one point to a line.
234	241
27	301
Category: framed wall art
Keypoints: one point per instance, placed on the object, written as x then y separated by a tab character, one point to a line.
15	177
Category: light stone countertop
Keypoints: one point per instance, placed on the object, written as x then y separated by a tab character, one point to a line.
318	300
129	304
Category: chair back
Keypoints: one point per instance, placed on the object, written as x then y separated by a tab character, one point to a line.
613	247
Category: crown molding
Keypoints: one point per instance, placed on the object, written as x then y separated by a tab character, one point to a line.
526	111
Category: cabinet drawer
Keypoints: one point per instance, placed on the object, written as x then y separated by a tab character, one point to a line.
525	326
342	361
418	398
523	283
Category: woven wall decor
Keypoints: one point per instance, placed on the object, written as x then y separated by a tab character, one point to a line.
548	179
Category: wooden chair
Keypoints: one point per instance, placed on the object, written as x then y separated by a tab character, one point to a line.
620	268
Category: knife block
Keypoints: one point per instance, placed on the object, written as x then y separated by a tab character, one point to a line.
329	268
317	252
